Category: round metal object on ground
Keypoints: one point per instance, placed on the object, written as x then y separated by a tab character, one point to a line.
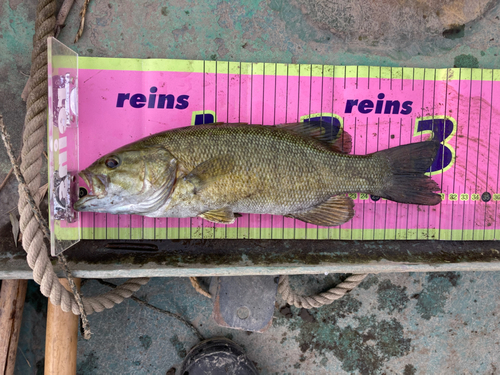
217	356
243	312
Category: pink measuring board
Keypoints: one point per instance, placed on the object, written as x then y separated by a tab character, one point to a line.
123	100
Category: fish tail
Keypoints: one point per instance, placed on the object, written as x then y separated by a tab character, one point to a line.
408	182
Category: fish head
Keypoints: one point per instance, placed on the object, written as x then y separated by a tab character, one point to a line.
135	179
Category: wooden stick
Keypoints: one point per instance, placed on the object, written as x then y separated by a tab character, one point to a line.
61	338
12	298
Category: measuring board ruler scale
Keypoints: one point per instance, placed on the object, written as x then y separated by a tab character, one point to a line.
123	100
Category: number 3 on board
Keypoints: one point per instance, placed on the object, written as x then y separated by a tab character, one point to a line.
443	129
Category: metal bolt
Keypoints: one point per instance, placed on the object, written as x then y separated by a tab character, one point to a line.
243	312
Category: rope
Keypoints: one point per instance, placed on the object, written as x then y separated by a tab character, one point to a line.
307	302
197	286
31	164
322	299
83	11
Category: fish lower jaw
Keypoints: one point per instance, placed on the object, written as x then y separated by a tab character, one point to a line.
88	203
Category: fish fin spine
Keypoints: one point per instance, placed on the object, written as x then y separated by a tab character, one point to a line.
330	135
221	216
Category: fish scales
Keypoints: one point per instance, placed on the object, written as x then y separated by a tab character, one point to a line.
275	171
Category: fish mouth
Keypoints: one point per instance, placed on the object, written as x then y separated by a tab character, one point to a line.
97	190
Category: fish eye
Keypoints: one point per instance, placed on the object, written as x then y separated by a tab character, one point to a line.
112	162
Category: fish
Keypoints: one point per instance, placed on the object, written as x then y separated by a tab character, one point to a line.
219	171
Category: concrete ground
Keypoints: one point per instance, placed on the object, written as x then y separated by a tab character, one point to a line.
418	323
425	323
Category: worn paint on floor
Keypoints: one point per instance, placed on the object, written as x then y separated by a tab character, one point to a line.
418	323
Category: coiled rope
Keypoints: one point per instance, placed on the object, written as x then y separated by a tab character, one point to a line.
321	299
300	301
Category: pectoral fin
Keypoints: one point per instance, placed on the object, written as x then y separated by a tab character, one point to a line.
337	210
209	171
222	216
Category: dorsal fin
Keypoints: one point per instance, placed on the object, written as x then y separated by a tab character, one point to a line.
333	136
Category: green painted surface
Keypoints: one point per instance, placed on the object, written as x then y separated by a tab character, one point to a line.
435	323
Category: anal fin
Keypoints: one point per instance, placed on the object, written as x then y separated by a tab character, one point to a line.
337	210
221	216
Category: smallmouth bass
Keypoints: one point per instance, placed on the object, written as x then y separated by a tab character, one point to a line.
218	171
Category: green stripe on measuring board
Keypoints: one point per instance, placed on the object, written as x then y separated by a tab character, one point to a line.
380	107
